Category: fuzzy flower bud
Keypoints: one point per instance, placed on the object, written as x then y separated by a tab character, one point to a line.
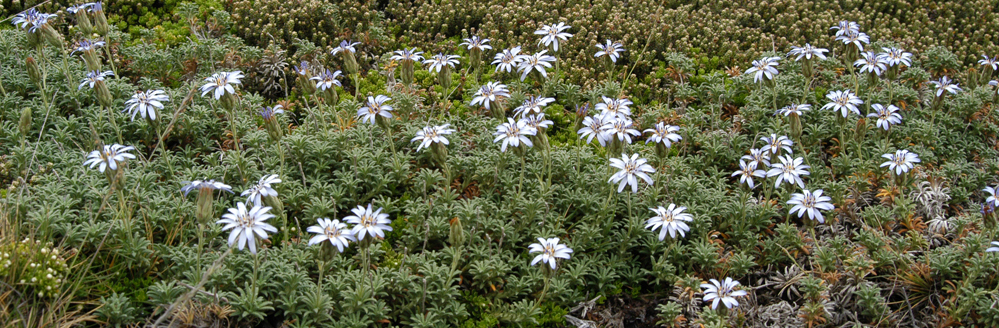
24	123
34	72
456	236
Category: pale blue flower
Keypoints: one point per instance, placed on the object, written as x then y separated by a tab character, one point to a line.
611	49
811	203
221	83
670	220
722	291
245	224
375	107
901	161
537	62
366	221
551	250
887	116
551	34
333	231
631	169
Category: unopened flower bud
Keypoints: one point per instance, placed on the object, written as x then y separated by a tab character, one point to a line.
34	72
456	236
861	131
51	36
24	124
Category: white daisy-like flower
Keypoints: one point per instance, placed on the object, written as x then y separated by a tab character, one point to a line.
261	189
619	107
631	168
551	34
245	224
593	126
807	52
366	221
789	170
887	116
333	231
302	68
663	133
93	77
854	37
990	62
476	43
871	62
536	62
438	61
375	107
550	250
514	133
507	60
844	102
901	161
532	105
345	45
845	27
764	68
221	83
896	57
756	157
670	220
204	185
795	109
992	196
620	128
110	157
77	8
537	121
431	135
327	80
747	172
489	93
408	54
722	291
146	103
611	49
774	144
946	84
267	113
811	203
995	83
994	248
87	45
30	17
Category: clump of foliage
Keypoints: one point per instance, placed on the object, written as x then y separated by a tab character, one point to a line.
213	212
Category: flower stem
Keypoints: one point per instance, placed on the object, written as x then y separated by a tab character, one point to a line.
107	50
523	167
114	123
65	68
627	238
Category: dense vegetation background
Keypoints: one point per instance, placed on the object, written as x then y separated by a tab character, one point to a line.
83	250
